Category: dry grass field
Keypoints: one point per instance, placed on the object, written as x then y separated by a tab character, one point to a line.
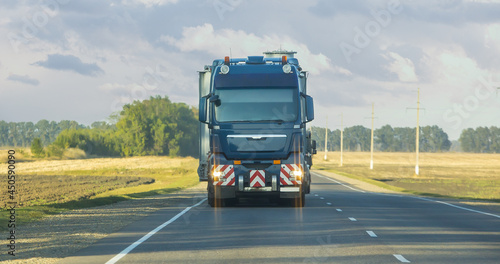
456	175
51	186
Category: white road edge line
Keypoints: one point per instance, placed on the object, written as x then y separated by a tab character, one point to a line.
456	206
371	233
401	258
148	235
415	197
324	177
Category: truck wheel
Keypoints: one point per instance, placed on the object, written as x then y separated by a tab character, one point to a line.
212	201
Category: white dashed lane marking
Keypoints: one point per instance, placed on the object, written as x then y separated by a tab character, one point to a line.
353	219
339	210
401	258
371	233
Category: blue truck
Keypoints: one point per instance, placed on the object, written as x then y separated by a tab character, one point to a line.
253	137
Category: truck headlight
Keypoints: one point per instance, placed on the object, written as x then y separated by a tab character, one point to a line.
217	175
224	69
298	175
287	68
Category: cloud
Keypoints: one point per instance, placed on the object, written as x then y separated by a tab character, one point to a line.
403	67
220	42
70	63
23	79
149	3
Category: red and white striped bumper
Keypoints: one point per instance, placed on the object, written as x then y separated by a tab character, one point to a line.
227	175
286	174
257	178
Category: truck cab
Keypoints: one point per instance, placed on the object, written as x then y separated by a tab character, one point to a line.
253	138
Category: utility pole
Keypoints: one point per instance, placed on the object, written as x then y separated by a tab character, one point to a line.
341	139
417	138
326	138
418	130
371	144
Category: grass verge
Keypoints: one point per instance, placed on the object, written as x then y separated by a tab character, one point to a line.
60	185
448	175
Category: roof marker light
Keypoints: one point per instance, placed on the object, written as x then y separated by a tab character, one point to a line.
287	68
226	60
284	60
224	69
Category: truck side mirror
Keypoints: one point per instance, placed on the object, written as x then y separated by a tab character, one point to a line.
215	99
309	108
202	115
314	147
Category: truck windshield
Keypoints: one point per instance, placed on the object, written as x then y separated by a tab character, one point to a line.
247	104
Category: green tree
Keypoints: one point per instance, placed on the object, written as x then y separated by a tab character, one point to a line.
384	136
37	147
158	127
467	140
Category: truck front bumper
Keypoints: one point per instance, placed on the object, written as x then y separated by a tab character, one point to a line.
225	192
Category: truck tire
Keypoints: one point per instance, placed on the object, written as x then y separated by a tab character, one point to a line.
212	201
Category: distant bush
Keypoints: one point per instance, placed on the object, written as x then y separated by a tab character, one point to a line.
54	151
74	153
37	148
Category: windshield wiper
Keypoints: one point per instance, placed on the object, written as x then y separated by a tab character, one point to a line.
279	121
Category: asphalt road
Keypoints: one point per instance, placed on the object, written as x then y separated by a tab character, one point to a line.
339	224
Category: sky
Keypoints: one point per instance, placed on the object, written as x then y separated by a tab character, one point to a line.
83	60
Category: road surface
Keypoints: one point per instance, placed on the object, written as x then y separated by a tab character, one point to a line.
339	224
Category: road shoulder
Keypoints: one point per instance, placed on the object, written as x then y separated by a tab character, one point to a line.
482	205
54	237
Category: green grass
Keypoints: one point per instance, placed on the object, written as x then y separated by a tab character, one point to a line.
167	176
449	175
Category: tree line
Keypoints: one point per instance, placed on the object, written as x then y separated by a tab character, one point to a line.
151	127
480	140
386	138
21	134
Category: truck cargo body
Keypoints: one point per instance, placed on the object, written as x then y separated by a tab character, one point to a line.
253	137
